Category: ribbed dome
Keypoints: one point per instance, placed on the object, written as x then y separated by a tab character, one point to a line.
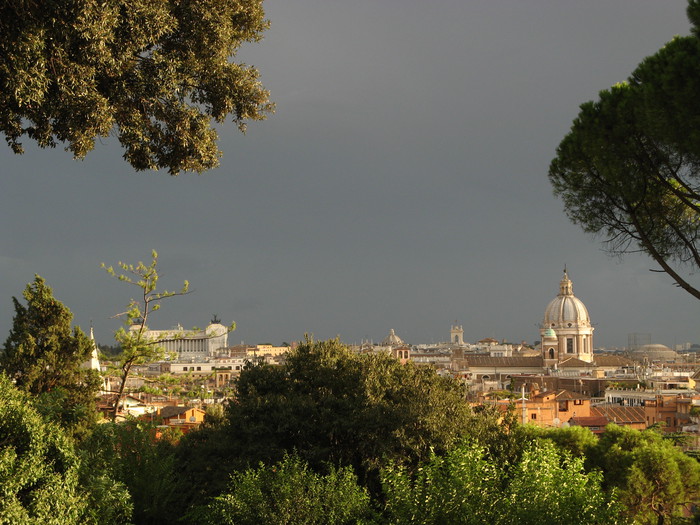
392	339
566	309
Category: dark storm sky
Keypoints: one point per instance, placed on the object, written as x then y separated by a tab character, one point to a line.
401	184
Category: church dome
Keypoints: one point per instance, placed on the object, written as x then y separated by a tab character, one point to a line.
392	339
654	352
549	334
566	310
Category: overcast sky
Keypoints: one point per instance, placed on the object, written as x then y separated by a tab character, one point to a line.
402	183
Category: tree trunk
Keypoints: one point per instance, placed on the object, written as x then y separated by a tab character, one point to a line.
125	374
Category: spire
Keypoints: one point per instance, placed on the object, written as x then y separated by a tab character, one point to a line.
94	362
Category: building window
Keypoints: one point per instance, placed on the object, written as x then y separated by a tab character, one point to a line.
551	353
578	401
533	416
563	406
184	369
569	345
199	368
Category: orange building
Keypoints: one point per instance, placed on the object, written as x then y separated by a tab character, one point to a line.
672	411
184	418
548	409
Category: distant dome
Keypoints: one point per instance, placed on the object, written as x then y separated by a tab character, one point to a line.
655	352
549	334
392	339
566	310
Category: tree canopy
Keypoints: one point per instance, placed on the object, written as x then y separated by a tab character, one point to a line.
328	405
135	460
629	169
158	74
289	493
44	355
468	486
349	409
656	480
40	472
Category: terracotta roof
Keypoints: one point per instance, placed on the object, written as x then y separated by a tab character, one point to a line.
573	362
480	360
560	395
589	421
620	414
564	395
612	360
168	412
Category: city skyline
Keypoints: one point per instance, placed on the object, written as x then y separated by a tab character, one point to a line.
400	185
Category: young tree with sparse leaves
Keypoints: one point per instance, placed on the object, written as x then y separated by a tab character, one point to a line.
137	347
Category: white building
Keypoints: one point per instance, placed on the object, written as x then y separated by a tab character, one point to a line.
191	345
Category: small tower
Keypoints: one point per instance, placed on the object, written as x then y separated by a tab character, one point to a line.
550	347
94	362
457	334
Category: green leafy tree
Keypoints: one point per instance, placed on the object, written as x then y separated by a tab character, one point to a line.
289	493
551	486
577	441
155	73
460	487
629	169
349	409
40	472
328	405
44	355
656	480
132	454
467	486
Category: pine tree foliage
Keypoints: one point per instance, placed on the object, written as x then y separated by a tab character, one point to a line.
44	355
629	169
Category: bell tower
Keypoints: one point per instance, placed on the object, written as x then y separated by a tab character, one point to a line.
457	334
